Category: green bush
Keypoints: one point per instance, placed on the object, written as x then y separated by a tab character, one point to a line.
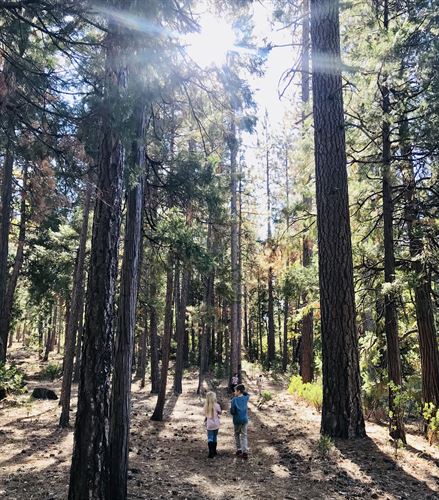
11	379
311	392
266	395
431	417
324	445
52	371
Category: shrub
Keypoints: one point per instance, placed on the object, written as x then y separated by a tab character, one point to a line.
11	380
324	445
52	371
431	417
311	392
266	395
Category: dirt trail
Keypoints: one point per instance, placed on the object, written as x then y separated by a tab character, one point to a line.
169	459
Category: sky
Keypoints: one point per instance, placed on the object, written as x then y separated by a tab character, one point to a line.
211	45
216	38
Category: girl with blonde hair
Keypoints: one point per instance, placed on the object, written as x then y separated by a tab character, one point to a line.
212	413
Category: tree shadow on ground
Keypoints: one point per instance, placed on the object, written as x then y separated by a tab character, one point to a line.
383	470
35	443
422	454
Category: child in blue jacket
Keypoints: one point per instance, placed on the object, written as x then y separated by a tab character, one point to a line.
239	410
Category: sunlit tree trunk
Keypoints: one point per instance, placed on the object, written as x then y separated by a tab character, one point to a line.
342	414
89	473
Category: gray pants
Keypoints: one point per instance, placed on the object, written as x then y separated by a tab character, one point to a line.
241	437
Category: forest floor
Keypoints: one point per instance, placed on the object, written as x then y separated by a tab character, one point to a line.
169	459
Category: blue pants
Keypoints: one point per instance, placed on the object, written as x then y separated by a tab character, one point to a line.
212	436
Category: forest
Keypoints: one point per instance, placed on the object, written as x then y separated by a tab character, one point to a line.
201	194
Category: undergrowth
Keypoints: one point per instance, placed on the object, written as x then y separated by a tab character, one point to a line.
11	380
311	392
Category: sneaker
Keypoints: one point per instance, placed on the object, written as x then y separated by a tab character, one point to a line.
238	453
244	455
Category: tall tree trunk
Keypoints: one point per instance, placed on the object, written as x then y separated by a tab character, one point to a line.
180	329
75	311
155	373
206	354
342	414
246	329
77	369
166	341
48	338
260	355
428	346
40	328
285	342
89	473
142	355
286	291
306	355
396	424
271	339
192	340
5	224
126	322
235	327
271	343
10	282
220	338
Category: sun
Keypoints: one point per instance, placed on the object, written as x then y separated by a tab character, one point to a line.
209	46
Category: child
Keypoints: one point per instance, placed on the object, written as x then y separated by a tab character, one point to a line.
212	413
240	420
234	382
259	383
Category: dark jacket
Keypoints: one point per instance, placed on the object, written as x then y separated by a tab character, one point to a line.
239	409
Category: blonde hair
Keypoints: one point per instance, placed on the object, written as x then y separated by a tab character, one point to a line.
209	406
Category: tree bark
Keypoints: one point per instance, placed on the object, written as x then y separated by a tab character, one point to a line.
246	329
5	224
235	327
396	424
180	329
271	339
206	354
428	346
285	342
126	322
166	341
342	412
307	341
77	369
75	311
155	373
10	281
89	473
306	357
271	342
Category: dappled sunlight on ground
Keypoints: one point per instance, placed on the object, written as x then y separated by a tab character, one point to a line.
169	459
